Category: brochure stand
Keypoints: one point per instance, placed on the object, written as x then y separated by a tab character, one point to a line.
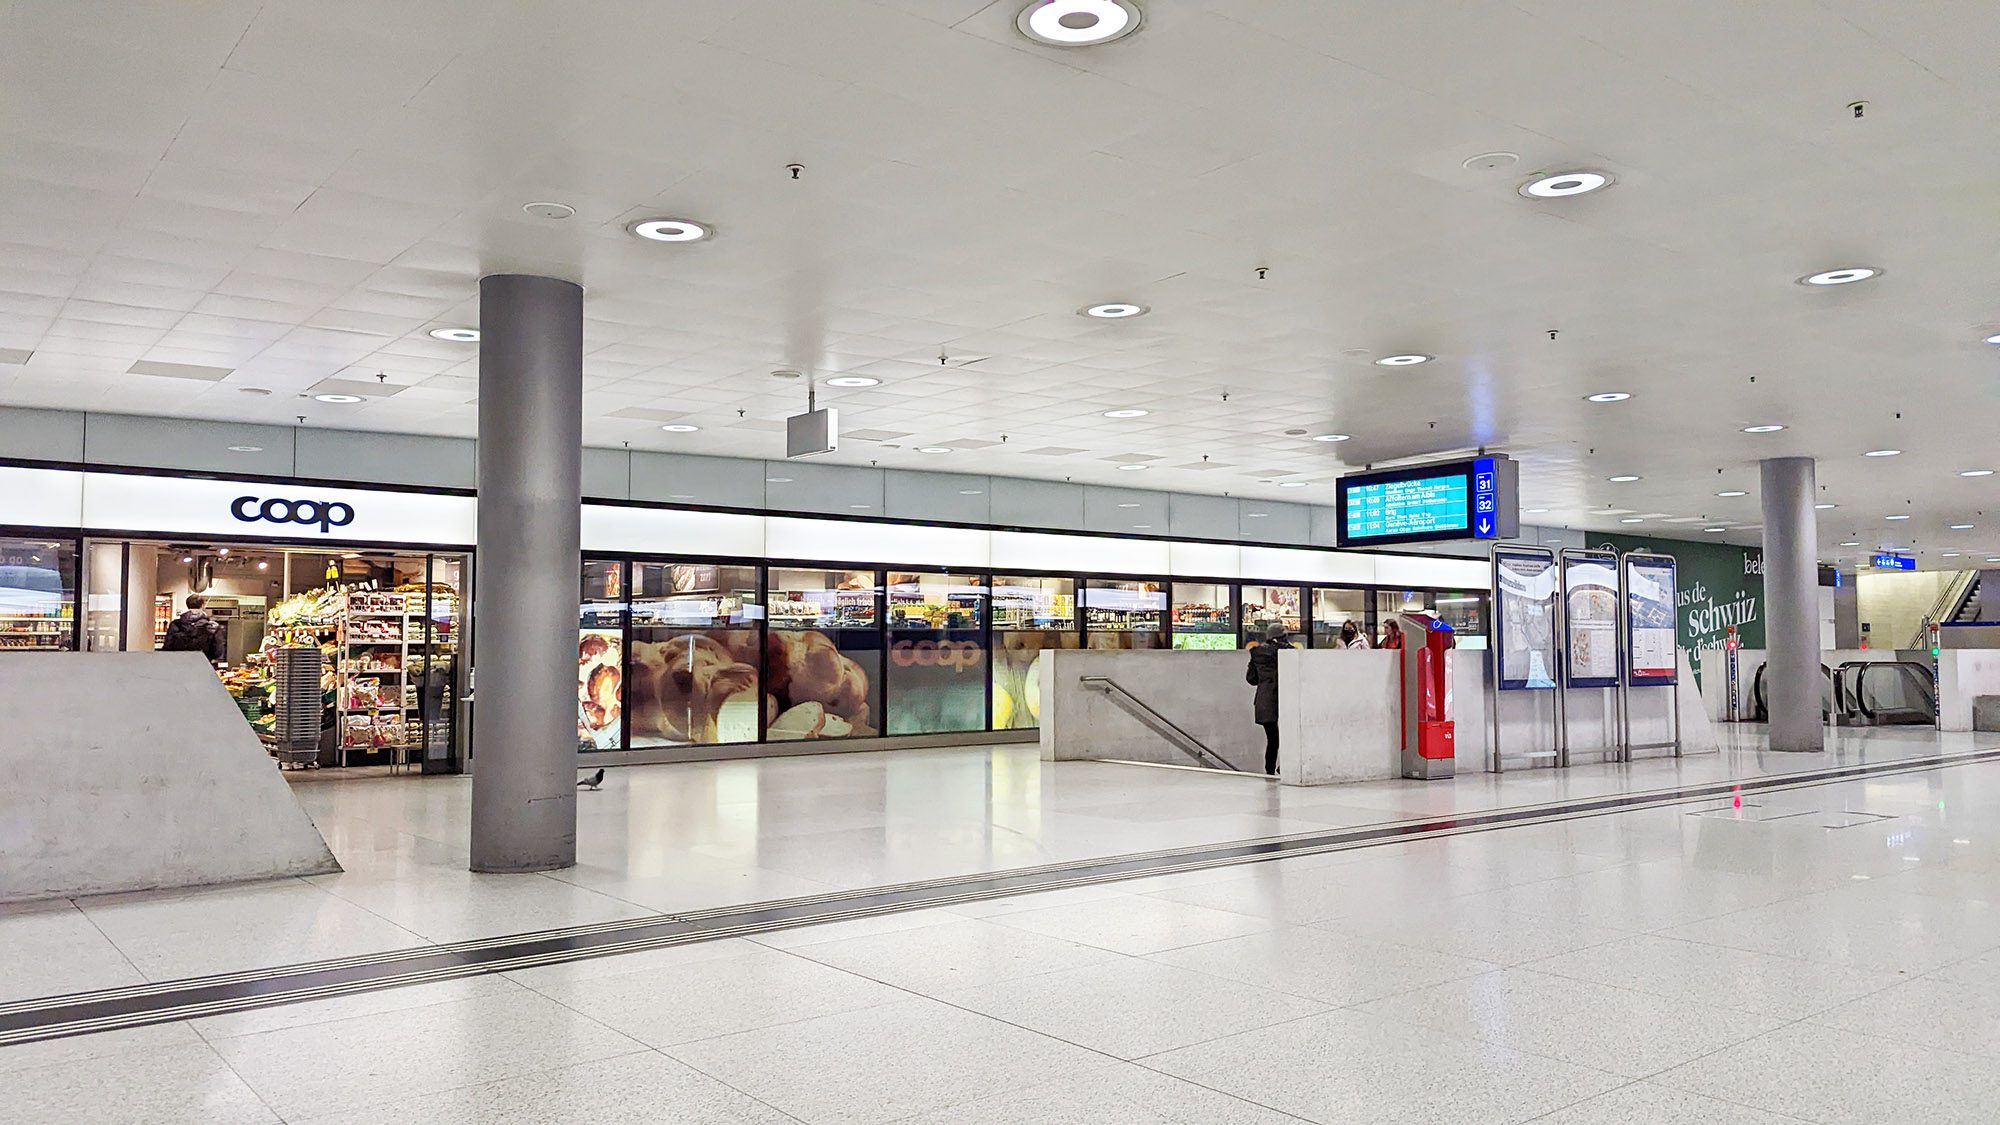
1648	596
1587	582
1526	652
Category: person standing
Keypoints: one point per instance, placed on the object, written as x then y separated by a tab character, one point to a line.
1351	636
1262	674
195	631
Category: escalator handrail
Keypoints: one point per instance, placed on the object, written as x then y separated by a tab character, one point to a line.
1920	672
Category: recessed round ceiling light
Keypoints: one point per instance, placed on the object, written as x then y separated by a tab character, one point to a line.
1993	339
861	505
680	428
253	390
1852	543
777	480
1846	275
1114	310
549	210
1961	527
1768	428
1993	558
1558	185
1410	360
1608	396
1292	483
1622	478
934	449
1334	437
1254	515
1895	517
852	381
338	398
1126	413
1730	492
1078	23
670	230
246	449
1977	473
1632	519
1128	505
1882	453
1534	511
1824	507
1947	554
1131	468
1142	527
1714	530
972	492
455	335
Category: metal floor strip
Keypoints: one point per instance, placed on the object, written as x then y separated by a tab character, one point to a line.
55	1017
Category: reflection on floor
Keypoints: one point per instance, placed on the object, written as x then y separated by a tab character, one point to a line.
1793	958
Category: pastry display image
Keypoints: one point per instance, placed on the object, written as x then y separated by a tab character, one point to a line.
806	667
681	688
1017	680
600	673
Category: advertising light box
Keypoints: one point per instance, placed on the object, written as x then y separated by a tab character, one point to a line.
1476	499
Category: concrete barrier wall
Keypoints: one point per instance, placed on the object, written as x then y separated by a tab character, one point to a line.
1964	674
1203	693
123	771
1340	713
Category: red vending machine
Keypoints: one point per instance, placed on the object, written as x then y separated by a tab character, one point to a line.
1429	749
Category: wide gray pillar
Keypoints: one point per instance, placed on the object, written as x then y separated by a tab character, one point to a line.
1792	681
530	482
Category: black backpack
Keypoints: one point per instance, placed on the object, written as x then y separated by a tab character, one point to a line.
190	633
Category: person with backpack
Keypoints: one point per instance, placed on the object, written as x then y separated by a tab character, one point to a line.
195	631
1262	673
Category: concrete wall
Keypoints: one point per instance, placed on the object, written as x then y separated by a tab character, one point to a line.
1340	713
1203	693
128	771
1345	726
1964	674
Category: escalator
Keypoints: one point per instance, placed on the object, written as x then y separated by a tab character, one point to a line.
1887	693
1829	694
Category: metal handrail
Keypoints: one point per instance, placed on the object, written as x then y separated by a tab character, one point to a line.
1946	607
1166	728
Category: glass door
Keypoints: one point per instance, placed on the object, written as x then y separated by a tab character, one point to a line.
600	658
1202	617
37	595
1029	615
1265	604
823	654
696	654
937	652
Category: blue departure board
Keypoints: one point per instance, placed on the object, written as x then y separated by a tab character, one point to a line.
1476	499
1423	506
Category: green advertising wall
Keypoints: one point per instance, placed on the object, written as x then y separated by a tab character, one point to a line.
1720	585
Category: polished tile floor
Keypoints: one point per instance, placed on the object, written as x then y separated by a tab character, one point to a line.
1821	954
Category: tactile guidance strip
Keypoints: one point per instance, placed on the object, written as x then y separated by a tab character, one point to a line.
53	1017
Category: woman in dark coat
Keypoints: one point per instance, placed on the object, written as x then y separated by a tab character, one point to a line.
1263	673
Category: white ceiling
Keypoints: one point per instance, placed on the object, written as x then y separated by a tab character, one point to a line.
295	191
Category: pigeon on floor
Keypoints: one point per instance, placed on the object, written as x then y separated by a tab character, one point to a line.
593	781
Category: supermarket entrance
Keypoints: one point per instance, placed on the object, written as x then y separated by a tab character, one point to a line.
388	625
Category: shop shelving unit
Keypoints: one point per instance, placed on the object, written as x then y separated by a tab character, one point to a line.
24	632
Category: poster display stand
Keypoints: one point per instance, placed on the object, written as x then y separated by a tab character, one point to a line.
1588	584
1526	653
1647	615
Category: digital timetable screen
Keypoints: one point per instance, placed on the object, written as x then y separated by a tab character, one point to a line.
1476	499
1421	506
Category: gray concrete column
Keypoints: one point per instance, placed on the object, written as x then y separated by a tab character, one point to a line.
1791	604
525	589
